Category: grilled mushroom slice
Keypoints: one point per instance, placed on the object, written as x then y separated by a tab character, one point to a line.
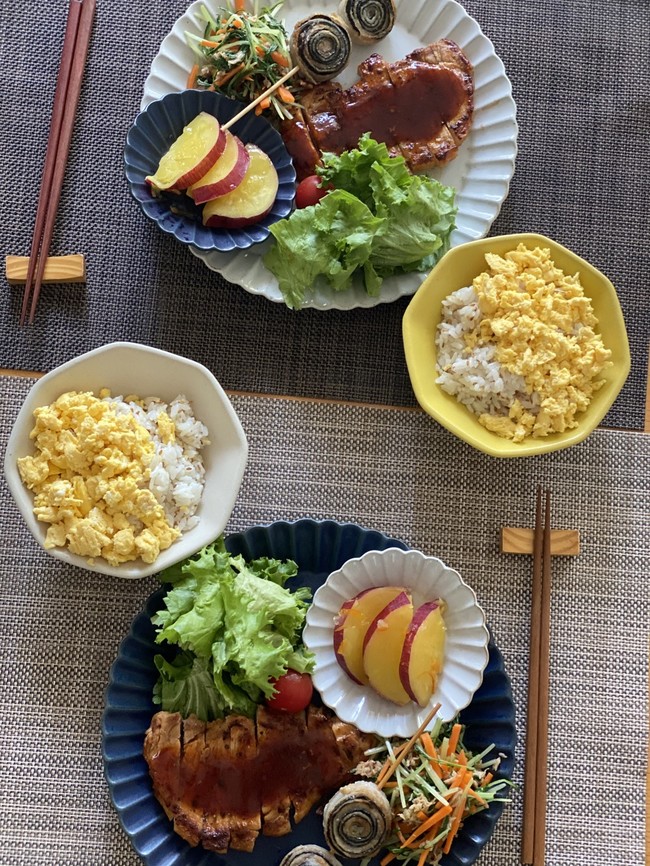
309	855
368	20
357	820
320	47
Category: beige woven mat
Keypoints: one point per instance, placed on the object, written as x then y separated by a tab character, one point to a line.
393	470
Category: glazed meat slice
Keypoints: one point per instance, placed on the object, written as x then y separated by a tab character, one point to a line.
429	142
229	806
421	107
188	820
321	106
298	141
351	743
340	747
173	749
274	730
224	782
162	751
337	118
215	820
454	74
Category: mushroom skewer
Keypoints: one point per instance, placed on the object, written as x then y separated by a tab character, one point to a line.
368	20
320	47
309	855
357	820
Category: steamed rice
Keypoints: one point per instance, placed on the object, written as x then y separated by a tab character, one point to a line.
177	472
519	348
474	376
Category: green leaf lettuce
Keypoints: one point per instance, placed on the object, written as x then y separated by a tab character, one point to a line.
379	220
236	627
331	239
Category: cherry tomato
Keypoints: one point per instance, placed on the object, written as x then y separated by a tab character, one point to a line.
310	192
293	692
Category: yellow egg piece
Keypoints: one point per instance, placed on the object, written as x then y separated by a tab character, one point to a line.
89	476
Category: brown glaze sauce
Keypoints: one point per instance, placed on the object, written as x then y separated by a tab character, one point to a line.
291	766
412	109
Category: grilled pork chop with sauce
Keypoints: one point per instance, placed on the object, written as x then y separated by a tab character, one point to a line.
421	107
224	782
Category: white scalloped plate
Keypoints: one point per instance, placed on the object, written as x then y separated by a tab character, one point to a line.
466	642
481	172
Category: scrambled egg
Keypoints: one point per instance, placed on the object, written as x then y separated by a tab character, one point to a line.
89	476
543	326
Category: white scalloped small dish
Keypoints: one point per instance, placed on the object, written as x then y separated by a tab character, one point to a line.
466	643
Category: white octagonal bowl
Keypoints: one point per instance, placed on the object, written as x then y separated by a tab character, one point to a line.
466	643
131	368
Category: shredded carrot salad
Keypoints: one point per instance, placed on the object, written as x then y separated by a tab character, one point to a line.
432	791
241	54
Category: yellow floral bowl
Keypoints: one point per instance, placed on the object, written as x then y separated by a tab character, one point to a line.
457	269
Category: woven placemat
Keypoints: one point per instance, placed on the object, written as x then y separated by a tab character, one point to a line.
579	72
395	471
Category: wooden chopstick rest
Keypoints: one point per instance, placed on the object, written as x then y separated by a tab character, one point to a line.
516	539
58	269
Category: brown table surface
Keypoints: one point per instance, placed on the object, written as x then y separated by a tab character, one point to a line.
580	78
579	74
393	470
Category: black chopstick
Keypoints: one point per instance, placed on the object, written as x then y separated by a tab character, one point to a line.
68	87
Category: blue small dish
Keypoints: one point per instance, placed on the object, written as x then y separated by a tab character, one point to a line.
151	136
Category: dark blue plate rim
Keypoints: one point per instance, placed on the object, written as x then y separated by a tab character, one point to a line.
319	547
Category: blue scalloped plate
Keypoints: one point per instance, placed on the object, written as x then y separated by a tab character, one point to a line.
152	134
319	547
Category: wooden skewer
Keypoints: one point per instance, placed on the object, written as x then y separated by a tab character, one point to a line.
68	88
261	97
404	751
285	77
534	822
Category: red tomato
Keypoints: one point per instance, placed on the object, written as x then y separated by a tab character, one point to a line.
293	692
310	192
